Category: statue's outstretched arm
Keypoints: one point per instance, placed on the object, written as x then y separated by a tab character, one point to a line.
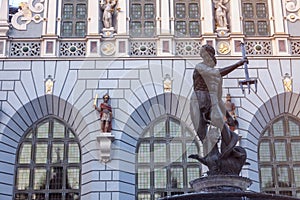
226	70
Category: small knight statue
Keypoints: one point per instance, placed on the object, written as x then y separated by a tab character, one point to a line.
230	107
105	111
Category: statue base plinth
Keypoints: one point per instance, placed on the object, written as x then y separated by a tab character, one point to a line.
222	31
104	142
224	187
221	183
108	32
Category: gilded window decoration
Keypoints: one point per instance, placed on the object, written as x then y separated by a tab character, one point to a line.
143	48
163	167
70	49
279	157
48	164
255	17
187	18
73	18
28	11
22	49
142	18
293	8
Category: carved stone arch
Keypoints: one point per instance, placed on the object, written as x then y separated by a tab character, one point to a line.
155	107
17	124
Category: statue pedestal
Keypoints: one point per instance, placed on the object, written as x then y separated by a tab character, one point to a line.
104	141
222	31
221	183
108	32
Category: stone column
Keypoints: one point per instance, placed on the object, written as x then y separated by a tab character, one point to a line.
3	17
121	17
93	17
207	17
50	12
165	20
235	17
278	17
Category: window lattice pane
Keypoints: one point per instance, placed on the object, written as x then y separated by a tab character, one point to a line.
136	11
80	28
73	178
295	145
55	196
74	153
144	153
262	27
43	130
191	148
261	10
297	176
68	11
194	28
144	196
58	130
81	11
266	177
143	178
283	177
160	177
180	10
160	151
41	152
39	182
57	152
149	28
176	152
177	177
193	10
192	172
67	28
56	178
280	151
294	129
23	178
175	129
249	28
160	130
264	151
136	28
180	27
278	128
248	10
149	11
25	153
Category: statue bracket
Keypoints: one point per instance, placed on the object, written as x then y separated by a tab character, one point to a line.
104	144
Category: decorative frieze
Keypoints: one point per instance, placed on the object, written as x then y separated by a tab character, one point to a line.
72	49
28	49
143	48
259	47
294	8
188	48
295	47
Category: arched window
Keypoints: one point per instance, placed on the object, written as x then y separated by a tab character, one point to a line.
163	167
73	18
48	164
187	18
255	17
142	18
279	157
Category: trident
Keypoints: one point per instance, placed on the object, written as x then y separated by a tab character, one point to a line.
247	81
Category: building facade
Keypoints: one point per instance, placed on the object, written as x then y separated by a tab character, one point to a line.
56	57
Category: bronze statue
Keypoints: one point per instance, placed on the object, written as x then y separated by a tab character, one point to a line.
208	115
105	111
